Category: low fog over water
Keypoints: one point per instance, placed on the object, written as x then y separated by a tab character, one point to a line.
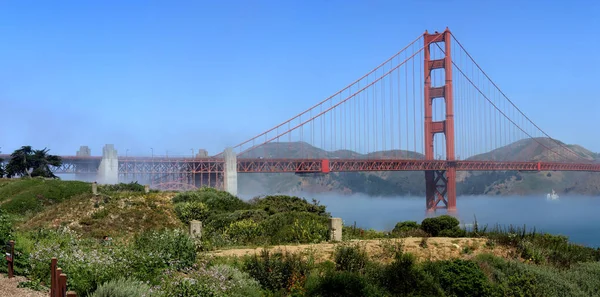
574	216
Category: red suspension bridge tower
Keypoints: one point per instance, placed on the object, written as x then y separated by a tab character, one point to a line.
440	184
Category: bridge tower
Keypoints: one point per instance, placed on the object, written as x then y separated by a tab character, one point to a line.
440	184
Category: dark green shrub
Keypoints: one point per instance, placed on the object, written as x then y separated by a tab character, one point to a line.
350	258
219	222
435	226
404	278
454	232
341	283
122	287
459	277
122	187
282	203
296	227
193	210
216	200
405	226
277	272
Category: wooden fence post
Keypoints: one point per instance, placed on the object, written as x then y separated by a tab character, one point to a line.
53	277
63	285
58	281
10	258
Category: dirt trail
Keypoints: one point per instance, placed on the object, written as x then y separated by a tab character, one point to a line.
8	288
435	248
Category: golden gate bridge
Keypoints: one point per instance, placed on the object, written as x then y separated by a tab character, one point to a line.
430	107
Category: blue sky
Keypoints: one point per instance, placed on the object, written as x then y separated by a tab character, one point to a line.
176	75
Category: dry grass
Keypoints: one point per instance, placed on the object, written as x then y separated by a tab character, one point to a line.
120	214
383	250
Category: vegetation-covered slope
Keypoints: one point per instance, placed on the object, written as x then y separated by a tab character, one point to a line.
152	254
412	183
40	203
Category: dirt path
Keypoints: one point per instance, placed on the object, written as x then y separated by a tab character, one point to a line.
435	248
8	288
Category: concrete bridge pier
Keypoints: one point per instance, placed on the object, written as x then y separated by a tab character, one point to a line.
85	170
108	171
230	172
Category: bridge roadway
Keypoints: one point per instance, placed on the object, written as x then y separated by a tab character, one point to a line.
145	165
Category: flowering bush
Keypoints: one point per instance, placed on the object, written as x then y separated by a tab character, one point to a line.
122	287
201	280
174	247
87	265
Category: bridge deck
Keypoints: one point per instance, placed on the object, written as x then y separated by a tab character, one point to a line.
207	165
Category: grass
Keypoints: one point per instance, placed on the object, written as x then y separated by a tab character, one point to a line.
120	214
538	248
29	196
39	203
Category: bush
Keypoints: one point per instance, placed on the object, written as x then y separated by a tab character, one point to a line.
244	231
86	264
514	278
122	187
282	203
296	227
341	283
178	286
404	278
406	226
459	277
122	287
543	248
221	221
445	223
216	200
277	272
350	258
230	281
193	210
174	247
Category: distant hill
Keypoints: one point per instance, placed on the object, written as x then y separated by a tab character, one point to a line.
403	183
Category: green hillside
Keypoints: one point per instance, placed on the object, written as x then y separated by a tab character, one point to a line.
412	183
44	203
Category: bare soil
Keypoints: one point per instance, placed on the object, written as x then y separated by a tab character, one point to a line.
383	250
8	288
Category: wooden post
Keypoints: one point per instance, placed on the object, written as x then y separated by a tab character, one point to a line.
53	277
57	274
10	258
71	294
62	291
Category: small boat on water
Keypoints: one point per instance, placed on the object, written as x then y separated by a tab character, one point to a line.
552	196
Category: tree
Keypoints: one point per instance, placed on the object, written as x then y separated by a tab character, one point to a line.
30	162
